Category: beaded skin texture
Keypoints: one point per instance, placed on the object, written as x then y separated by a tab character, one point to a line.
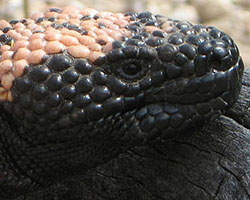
79	87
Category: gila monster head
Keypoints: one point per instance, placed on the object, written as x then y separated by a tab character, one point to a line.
79	87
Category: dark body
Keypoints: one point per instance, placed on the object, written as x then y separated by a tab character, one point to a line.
70	115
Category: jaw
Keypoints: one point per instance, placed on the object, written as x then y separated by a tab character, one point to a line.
160	122
183	105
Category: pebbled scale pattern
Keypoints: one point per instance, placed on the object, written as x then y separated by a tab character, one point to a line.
70	114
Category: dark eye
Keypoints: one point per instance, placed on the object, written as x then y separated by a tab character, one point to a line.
131	70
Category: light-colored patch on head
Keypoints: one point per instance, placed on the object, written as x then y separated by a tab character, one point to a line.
166	24
5	95
85	33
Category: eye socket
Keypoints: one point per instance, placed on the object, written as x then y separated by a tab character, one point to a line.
130	70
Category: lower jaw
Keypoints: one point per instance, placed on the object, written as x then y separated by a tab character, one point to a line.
165	121
174	117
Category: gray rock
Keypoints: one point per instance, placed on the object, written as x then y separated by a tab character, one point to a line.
185	12
212	9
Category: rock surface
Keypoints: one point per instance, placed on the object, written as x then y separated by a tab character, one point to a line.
211	10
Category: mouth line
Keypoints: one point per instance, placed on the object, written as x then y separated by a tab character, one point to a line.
200	89
193	91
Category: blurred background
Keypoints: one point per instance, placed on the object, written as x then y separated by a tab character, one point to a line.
231	16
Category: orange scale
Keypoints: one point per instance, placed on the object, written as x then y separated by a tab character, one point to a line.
107	48
9	96
86	40
26	32
70	10
36	36
36	44
7	80
79	51
36	15
88	22
110	18
128	18
168	29
73	16
72	33
2	90
36	57
100	32
52	35
103	21
51	14
118	15
54	47
6	55
19	30
21	53
126	33
38	28
107	30
49	28
92	34
60	21
116	35
63	16
89	28
5	66
4	96
103	39
24	38
151	29
113	27
166	24
32	26
45	24
88	11
4	24
19	44
93	56
5	48
19	25
79	16
104	13
12	33
19	67
69	40
121	23
29	21
95	47
74	21
17	36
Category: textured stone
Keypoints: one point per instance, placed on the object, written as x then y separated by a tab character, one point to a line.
210	9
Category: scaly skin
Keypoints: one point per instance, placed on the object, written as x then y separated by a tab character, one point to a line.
72	108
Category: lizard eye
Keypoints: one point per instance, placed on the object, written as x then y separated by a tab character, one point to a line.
131	70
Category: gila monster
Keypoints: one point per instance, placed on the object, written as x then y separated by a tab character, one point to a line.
79	87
